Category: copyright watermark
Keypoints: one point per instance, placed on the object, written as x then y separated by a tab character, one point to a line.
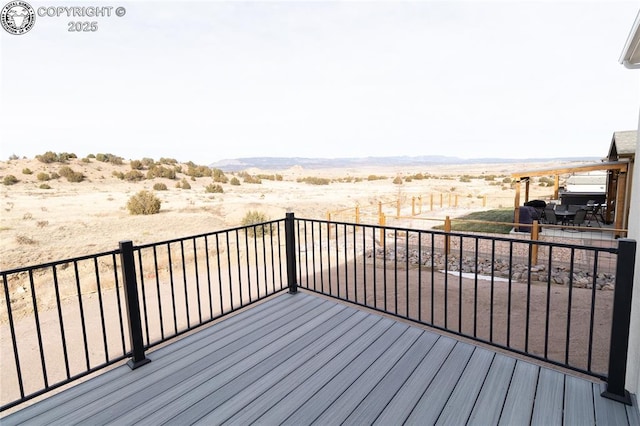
18	17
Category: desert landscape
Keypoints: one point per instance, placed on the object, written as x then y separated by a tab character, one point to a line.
76	218
52	219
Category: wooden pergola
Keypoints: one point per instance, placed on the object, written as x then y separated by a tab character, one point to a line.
616	187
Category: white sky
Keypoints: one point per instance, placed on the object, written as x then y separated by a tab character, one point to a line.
205	81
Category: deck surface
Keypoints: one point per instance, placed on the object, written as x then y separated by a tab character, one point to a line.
301	359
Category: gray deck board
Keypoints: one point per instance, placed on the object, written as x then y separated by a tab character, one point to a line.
343	404
105	384
330	380
300	359
428	409
459	407
264	392
549	398
578	405
374	403
284	390
493	394
188	371
190	399
114	390
402	403
520	397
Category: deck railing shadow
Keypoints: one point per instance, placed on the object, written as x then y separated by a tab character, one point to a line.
64	320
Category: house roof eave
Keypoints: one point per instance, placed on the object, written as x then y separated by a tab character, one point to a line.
630	56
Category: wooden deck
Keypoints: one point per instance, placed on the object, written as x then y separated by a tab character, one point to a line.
301	359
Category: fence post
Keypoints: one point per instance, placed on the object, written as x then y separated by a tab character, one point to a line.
447	238
431	202
441	200
484	201
420	204
128	266
379	208
413	206
357	214
328	226
290	241
534	247
620	323
383	221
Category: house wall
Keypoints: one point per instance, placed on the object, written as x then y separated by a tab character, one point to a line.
633	360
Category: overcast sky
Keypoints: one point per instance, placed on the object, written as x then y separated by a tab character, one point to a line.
206	81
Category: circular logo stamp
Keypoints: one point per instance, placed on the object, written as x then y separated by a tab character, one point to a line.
17	17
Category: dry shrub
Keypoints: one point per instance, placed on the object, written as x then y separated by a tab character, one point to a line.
253	218
133	176
159	186
48	157
10	180
42	176
144	202
312	180
70	174
214	188
183	184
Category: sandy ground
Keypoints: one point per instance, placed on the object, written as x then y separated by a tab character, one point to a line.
74	219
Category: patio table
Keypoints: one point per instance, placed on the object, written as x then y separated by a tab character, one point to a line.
565	216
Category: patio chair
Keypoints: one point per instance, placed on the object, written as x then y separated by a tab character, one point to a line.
593	212
578	219
550	217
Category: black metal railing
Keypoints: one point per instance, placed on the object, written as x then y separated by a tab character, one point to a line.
560	309
60	321
64	320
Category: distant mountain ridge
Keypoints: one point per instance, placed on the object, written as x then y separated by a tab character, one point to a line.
281	163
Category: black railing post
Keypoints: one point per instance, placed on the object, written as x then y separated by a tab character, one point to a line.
621	321
133	305
290	240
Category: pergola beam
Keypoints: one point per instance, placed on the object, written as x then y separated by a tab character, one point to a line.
616	187
611	165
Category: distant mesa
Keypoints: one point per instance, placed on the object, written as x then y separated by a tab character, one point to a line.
281	163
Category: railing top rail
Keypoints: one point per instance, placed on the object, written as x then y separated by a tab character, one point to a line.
136	247
207	234
57	262
461	234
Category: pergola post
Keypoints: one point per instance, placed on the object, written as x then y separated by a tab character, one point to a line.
612	179
516	210
620	203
